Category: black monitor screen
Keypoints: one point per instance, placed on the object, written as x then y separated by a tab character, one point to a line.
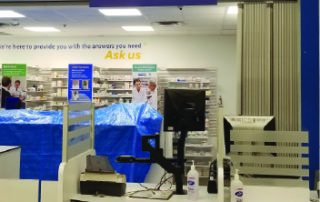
181	103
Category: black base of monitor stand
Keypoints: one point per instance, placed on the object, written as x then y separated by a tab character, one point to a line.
174	166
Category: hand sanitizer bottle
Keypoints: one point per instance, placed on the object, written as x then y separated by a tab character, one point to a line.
193	183
236	188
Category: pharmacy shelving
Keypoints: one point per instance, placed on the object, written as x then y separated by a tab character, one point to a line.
119	89
37	84
59	88
118	83
37	92
36	100
120	80
99	88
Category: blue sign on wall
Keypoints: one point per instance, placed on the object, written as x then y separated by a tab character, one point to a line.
135	3
80	83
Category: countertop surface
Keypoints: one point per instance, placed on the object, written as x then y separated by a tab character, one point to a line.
251	194
8	148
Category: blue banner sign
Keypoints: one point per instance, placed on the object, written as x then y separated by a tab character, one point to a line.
135	3
80	83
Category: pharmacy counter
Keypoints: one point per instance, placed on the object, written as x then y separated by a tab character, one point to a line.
252	194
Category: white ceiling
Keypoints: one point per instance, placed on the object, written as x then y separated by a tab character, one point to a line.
80	20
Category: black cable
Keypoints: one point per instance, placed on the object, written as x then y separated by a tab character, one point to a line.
157	187
164	181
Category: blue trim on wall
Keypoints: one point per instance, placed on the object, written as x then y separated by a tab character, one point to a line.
310	79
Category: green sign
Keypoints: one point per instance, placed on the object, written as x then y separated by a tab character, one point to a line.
14	69
145	68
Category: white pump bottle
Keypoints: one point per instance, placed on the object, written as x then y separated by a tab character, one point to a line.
193	183
236	189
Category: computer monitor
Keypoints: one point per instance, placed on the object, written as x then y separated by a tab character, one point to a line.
184	108
246	123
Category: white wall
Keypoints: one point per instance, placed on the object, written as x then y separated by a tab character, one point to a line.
165	51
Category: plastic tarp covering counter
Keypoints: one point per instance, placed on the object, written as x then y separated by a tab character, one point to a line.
118	131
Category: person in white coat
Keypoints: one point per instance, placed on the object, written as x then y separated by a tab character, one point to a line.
138	93
16	90
152	93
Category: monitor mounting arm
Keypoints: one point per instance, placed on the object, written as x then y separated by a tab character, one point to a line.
156	156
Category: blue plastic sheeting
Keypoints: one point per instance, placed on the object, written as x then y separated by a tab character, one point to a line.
118	132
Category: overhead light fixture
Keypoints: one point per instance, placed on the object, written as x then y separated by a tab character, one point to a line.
121	12
42	29
138	28
10	14
233	10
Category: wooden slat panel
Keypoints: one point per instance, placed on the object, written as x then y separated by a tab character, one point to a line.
78	132
269	136
269	149
272	171
270	160
78	148
275	182
80	106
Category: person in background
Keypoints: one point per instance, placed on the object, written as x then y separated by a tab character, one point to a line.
75	95
16	91
138	93
5	91
85	84
75	84
152	94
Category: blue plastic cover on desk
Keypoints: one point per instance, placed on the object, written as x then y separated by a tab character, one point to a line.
118	132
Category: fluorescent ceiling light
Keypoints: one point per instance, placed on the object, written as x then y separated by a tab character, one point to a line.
10	14
138	28
233	10
121	12
42	29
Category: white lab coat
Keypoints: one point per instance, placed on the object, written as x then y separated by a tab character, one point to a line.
152	98
16	92
139	97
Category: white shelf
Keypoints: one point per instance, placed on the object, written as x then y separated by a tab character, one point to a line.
60	87
59	78
59	96
114	96
34	80
37	91
119	89
199	146
109	80
36	100
99	88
